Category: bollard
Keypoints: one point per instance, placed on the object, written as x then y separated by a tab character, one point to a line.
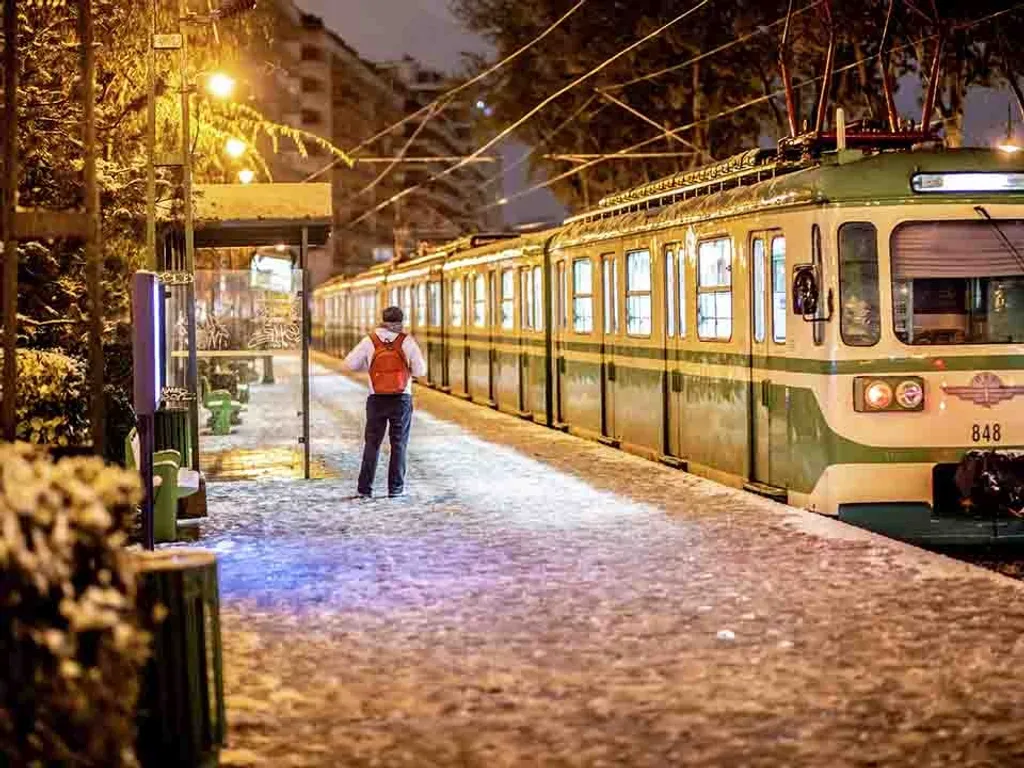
181	703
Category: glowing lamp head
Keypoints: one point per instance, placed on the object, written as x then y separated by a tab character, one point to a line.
220	86
235	147
878	395
246	176
909	394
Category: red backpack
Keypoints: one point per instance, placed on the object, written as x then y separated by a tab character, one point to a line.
389	371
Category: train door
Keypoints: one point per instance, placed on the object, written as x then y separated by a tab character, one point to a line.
767	333
610	330
675	332
560	323
526	304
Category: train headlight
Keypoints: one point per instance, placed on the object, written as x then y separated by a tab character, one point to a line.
878	396
910	394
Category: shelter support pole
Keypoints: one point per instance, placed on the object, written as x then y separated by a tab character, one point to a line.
306	331
8	419
93	255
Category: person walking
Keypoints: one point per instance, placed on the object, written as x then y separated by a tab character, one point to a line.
392	358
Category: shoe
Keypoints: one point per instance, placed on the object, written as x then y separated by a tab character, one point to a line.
360	496
397	495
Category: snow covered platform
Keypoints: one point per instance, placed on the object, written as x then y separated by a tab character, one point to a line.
537	599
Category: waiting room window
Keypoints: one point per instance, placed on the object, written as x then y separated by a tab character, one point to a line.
479	301
457	302
714	290
508	295
582	296
638	293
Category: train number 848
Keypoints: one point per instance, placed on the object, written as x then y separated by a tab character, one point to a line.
986	433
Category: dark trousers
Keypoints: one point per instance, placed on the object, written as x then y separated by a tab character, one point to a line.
394	414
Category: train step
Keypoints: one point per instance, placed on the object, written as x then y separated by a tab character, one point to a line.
674	462
561	426
772	492
612	442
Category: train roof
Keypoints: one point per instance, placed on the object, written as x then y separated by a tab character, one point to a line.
754	182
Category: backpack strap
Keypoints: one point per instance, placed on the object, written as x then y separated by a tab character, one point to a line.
375	340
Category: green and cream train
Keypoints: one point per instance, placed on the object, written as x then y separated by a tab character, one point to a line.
843	332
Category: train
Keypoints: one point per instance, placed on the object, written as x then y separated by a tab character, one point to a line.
836	326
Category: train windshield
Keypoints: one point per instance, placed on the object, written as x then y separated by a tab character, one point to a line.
959	282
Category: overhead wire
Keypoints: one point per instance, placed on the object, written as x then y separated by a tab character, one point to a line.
533	111
449	94
725	113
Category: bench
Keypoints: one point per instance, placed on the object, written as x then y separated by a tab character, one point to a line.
171	482
223	410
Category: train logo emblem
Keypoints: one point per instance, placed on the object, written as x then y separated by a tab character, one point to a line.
986	390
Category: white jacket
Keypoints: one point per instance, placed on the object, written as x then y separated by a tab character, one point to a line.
359	358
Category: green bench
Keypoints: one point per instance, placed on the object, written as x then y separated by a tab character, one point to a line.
171	481
224	411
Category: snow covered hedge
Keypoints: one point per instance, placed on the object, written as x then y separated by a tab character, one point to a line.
71	646
52	406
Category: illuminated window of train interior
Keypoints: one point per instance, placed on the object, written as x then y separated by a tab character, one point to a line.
525	299
610	292
779	289
681	274
479	301
538	302
457	302
670	287
421	304
582	296
714	290
860	322
958	282
508	293
563	319
760	317
638	293
434	296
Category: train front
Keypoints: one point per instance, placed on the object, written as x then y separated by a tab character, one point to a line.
942	403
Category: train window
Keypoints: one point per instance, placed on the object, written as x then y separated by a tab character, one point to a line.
407	303
479	301
714	289
611	294
457	302
760	318
681	274
958	282
779	289
817	261
434	302
538	299
582	296
508	295
421	305
670	289
638	293
393	297
860	316
563	318
525	299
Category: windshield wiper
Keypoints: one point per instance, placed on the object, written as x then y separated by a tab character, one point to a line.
1002	235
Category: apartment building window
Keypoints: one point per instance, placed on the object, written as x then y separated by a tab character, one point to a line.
582	296
508	288
312	85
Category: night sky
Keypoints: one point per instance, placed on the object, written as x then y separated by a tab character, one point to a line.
426	30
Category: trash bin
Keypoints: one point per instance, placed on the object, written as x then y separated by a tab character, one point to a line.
181	702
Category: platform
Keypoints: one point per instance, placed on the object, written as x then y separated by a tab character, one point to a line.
537	599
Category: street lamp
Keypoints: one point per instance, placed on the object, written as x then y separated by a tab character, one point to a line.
220	85
246	176
235	147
